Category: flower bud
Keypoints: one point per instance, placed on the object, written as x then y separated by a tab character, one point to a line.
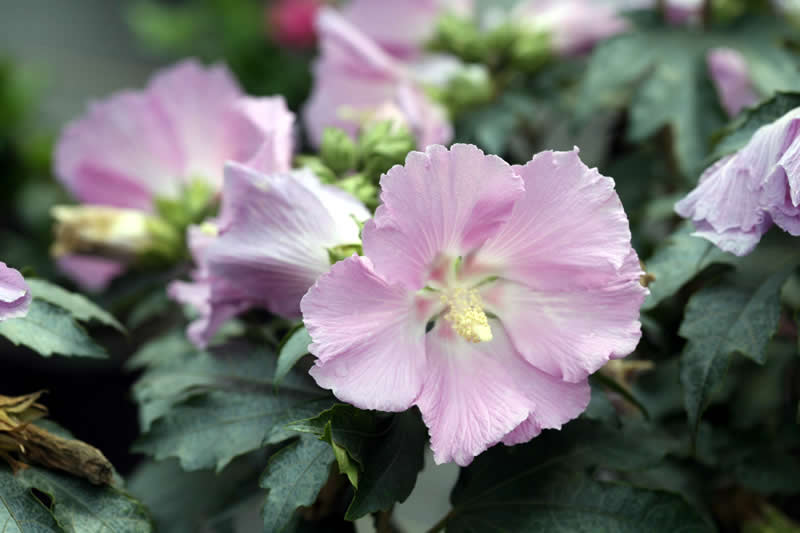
315	165
112	233
190	207
532	50
383	145
339	253
362	188
459	36
338	150
470	87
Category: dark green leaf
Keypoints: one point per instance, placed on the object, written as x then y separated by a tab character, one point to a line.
182	502
292	349
20	511
600	407
720	321
663	75
623	391
681	258
213	407
81	308
769	473
542	486
294	477
76	506
389	452
48	329
739	132
170	348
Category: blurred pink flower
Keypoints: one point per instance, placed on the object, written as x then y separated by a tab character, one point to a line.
401	27
486	296
575	26
292	22
15	296
731	77
683	12
739	197
355	80
139	145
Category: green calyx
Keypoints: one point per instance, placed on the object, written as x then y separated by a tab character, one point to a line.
194	204
338	151
356	166
343	251
191	206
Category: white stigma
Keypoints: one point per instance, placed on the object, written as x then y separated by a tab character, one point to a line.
466	314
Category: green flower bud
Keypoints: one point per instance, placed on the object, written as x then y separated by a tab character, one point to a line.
532	51
362	188
193	205
383	145
500	40
315	165
338	151
343	251
471	87
459	36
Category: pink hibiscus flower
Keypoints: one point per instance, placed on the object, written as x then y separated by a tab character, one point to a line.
486	297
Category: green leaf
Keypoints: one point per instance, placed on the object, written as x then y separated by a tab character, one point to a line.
81	308
680	259
389	452
543	486
720	321
769	473
292	349
294	477
213	407
739	132
75	505
168	349
662	74
183	502
48	329
20	511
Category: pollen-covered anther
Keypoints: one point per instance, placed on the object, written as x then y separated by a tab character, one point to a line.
465	314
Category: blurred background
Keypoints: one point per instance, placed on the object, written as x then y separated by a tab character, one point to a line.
55	57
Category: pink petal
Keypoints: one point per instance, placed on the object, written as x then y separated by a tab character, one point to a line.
367	336
471	398
274	243
15	297
91	273
121	153
571	332
568	230
261	134
195	101
216	302
440	203
555	402
731	77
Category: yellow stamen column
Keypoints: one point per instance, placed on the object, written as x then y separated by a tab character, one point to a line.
465	313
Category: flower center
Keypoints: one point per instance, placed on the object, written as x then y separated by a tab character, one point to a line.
466	314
